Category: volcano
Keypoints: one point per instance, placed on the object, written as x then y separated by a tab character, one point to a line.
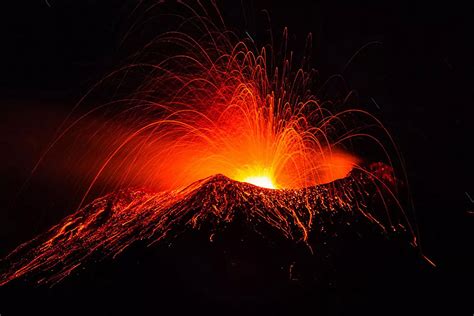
217	242
111	224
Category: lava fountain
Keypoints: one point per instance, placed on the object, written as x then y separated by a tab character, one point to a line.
213	128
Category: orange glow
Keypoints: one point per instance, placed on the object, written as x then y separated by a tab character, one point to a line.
216	104
232	116
215	108
261	181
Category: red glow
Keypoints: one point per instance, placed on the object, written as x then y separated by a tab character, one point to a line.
231	115
216	105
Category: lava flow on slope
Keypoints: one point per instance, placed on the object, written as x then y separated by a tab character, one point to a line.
110	224
210	105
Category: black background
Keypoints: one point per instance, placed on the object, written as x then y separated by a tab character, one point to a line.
419	74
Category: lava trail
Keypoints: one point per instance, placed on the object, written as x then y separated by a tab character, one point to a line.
210	105
110	224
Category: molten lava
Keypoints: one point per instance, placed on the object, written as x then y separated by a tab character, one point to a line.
261	181
216	105
112	223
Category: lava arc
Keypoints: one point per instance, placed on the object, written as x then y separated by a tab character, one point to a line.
217	125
